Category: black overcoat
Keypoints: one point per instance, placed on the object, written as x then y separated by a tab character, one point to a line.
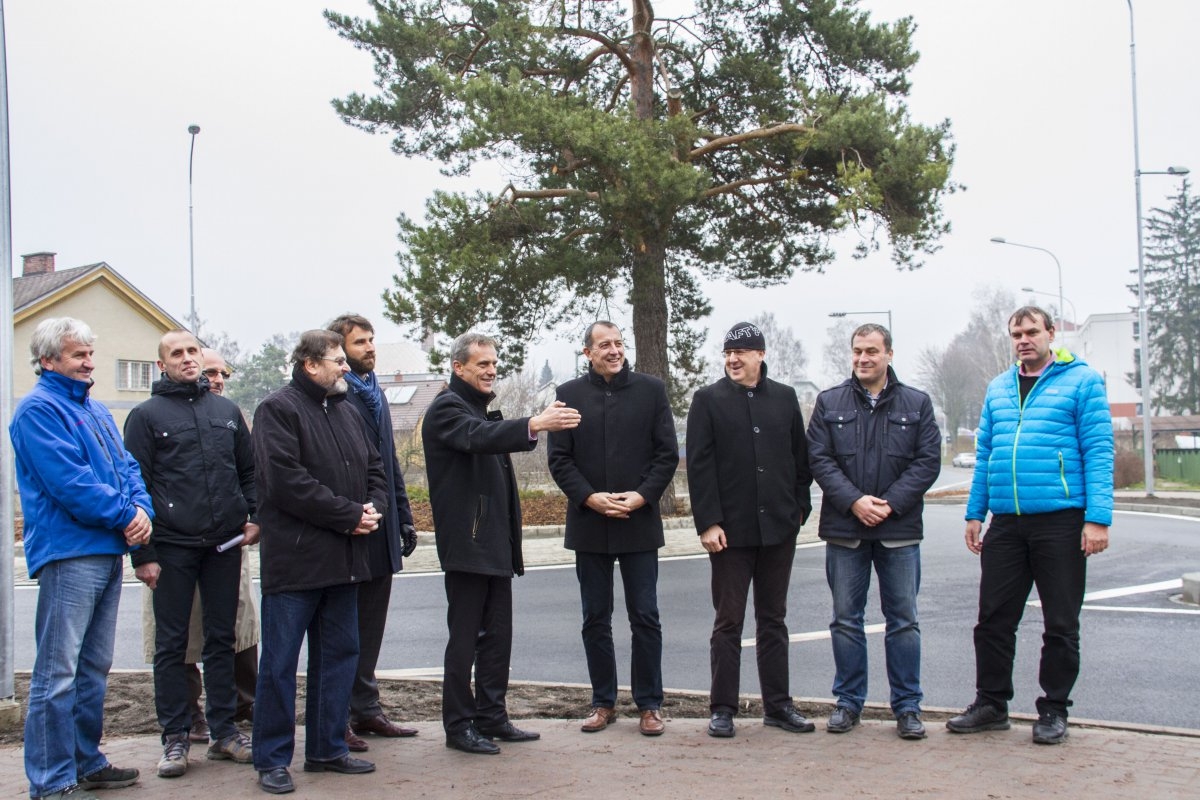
625	442
747	462
472	489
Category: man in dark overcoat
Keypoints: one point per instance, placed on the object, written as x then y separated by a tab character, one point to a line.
748	476
477	520
387	546
613	469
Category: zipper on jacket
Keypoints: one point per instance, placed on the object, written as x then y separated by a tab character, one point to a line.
1017	440
1062	475
478	518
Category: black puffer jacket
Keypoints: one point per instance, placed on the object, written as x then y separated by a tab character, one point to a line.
892	451
197	461
747	462
625	442
476	510
315	471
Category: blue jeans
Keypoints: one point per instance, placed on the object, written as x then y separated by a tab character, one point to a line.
848	571
75	628
639	575
330	618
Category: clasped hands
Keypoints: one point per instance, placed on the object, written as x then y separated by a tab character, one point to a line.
616	505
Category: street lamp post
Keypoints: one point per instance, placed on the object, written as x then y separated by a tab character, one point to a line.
193	130
856	313
1143	329
1062	314
1074	314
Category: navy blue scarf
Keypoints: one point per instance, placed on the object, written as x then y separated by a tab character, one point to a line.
367	390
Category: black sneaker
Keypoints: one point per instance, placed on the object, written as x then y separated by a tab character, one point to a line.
789	719
979	717
841	720
1050	728
909	726
109	777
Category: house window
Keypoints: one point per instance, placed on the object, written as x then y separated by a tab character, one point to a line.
135	376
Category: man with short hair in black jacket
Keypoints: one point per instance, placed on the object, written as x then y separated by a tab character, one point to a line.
196	458
477	519
613	469
748	477
875	450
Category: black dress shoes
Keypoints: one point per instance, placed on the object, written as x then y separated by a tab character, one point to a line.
509	733
347	765
789	719
276	781
468	740
721	725
382	726
979	717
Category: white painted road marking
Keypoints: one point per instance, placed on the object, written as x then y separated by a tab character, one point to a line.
816	636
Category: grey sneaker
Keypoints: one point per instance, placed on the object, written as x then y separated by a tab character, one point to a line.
174	761
109	777
234	747
841	720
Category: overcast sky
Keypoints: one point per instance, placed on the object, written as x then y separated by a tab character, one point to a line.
295	211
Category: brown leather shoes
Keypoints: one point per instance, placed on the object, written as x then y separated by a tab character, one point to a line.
651	723
382	726
355	742
599	719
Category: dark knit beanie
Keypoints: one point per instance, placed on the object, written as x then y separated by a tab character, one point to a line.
745	336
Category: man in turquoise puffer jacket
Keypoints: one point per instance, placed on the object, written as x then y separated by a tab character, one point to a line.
1045	471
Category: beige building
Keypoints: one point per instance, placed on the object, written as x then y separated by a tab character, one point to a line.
127	324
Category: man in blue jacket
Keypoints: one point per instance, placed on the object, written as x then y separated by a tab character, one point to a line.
84	504
875	449
1045	471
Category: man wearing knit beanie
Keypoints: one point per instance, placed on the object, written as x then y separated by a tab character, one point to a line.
749	480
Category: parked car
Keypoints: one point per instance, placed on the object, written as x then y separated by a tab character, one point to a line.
964	460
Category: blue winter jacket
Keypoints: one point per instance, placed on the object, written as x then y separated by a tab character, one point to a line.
1053	453
79	487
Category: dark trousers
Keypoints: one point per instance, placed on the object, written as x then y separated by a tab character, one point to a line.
639	575
329	618
733	570
245	678
373	598
1020	552
218	576
479	616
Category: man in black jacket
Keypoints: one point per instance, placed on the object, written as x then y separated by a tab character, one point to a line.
748	476
322	491
613	469
477	519
875	449
195	455
386	547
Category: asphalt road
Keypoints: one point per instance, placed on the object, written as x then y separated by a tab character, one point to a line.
1139	646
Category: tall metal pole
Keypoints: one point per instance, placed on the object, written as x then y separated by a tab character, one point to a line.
1143	329
10	712
192	321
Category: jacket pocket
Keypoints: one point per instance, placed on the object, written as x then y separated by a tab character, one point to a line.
843	431
481	508
902	429
1062	475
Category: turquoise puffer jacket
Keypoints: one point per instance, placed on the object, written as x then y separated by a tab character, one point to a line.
1054	453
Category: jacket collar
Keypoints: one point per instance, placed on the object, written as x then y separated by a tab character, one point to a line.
761	386
188	391
470	393
619	380
892	381
311	388
69	387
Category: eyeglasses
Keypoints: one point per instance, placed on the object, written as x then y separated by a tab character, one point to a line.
213	372
340	360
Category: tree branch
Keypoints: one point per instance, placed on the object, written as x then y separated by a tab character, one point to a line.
735	185
760	133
